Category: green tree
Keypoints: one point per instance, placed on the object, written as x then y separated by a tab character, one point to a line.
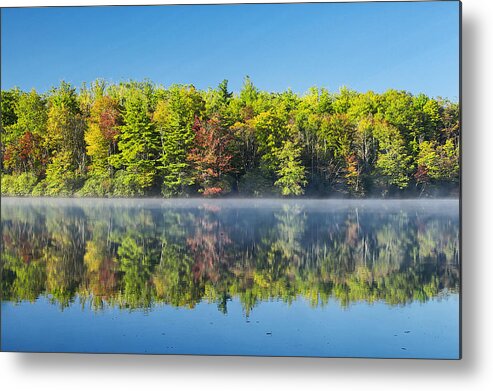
138	143
8	103
271	131
438	162
393	162
65	142
174	118
291	173
24	129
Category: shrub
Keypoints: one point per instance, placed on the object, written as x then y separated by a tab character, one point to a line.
96	187
18	185
126	184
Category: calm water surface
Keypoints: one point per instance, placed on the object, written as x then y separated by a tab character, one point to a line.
257	277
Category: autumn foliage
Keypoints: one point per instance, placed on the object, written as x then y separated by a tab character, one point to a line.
211	156
141	139
26	155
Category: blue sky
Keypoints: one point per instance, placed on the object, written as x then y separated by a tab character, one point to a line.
365	46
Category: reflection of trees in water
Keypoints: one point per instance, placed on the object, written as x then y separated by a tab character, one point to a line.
133	257
39	252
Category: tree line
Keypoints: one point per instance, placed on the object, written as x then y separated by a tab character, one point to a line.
141	139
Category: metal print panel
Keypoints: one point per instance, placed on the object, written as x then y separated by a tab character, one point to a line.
267	180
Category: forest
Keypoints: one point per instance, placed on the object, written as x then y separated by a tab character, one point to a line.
134	139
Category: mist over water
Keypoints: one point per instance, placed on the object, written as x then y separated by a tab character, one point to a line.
214	267
431	205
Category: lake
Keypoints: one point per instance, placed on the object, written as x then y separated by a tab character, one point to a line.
328	278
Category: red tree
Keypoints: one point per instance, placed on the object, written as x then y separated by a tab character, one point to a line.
109	118
26	155
211	157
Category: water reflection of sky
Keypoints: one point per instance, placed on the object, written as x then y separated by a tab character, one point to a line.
428	330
